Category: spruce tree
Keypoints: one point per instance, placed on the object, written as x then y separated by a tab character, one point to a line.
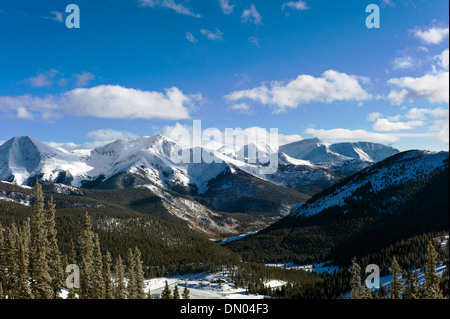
411	289
176	293
166	293
396	289
56	270
12	265
109	288
119	279
139	275
131	286
39	263
431	287
355	279
186	292
23	289
98	279
86	244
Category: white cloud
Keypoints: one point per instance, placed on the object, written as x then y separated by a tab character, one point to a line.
190	37
431	35
242	108
106	101
443	59
227	8
42	79
441	126
299	5
401	63
433	86
332	86
341	134
374	116
251	15
385	125
83	79
110	134
169	4
217	36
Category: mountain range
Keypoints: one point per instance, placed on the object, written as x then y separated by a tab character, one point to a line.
400	197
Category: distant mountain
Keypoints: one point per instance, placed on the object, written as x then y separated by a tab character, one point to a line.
230	181
399	197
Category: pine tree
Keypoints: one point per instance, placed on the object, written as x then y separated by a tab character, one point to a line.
131	286
98	279
12	266
109	288
186	292
86	244
396	289
53	254
176	293
355	279
431	289
23	289
139	275
166	293
411	289
119	279
39	264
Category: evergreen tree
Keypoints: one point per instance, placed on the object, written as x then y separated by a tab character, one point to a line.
186	292
23	289
119	279
56	270
355	279
109	289
139	275
12	266
411	289
87	271
176	293
98	279
39	267
396	289
431	289
166	293
131	286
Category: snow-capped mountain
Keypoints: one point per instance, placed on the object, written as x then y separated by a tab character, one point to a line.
395	172
306	167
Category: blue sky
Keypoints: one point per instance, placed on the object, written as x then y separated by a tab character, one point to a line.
309	68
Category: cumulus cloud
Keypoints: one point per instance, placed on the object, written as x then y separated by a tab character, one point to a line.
169	4
42	79
331	86
105	101
385	125
431	35
433	87
251	15
341	134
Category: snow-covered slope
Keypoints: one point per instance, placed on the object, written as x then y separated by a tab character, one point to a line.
404	168
23	159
